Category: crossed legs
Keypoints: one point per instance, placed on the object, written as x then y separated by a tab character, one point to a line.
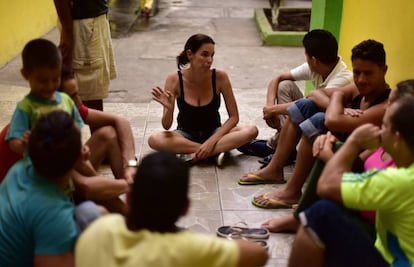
173	141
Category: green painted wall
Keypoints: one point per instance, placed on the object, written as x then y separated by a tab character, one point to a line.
327	14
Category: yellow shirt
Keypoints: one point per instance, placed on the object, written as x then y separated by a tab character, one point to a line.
107	242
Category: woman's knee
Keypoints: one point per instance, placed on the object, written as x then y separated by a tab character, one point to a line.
153	141
251	131
157	140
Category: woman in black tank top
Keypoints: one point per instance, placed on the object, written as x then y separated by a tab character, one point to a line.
197	89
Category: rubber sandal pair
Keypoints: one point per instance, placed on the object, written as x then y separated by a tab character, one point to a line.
255	179
273	203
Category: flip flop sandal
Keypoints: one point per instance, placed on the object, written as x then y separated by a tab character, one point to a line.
237	232
261	243
256	179
274	203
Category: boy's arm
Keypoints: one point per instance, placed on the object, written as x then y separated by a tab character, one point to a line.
273	87
19	131
329	184
322	97
19	145
336	119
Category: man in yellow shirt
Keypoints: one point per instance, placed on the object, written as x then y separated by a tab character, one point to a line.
148	236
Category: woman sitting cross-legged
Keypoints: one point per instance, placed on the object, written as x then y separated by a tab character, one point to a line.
199	134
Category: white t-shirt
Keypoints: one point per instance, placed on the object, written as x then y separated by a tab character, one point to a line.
339	76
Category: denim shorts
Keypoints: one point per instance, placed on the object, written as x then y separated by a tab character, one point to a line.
345	241
308	118
85	213
197	136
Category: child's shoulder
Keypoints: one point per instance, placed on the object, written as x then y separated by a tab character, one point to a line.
25	102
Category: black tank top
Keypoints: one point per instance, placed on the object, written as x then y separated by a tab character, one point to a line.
356	102
84	9
203	118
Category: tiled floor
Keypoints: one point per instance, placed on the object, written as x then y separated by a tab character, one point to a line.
146	56
216	198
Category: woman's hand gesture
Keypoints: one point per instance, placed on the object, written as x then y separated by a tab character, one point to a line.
165	98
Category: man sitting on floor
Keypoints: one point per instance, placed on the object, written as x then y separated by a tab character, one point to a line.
328	237
323	67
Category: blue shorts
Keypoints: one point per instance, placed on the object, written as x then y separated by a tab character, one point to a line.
85	213
345	241
308	118
197	136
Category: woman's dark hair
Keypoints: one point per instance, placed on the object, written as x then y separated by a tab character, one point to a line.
401	117
54	144
370	50
159	193
322	45
193	44
40	53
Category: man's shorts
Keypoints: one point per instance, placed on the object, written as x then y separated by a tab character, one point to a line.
308	118
93	58
345	242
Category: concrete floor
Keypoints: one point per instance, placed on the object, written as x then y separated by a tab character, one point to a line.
145	54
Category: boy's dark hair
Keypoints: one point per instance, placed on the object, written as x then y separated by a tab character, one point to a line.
54	144
322	45
401	118
40	53
193	43
159	192
369	50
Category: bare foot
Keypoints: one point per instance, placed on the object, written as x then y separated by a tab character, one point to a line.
282	224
